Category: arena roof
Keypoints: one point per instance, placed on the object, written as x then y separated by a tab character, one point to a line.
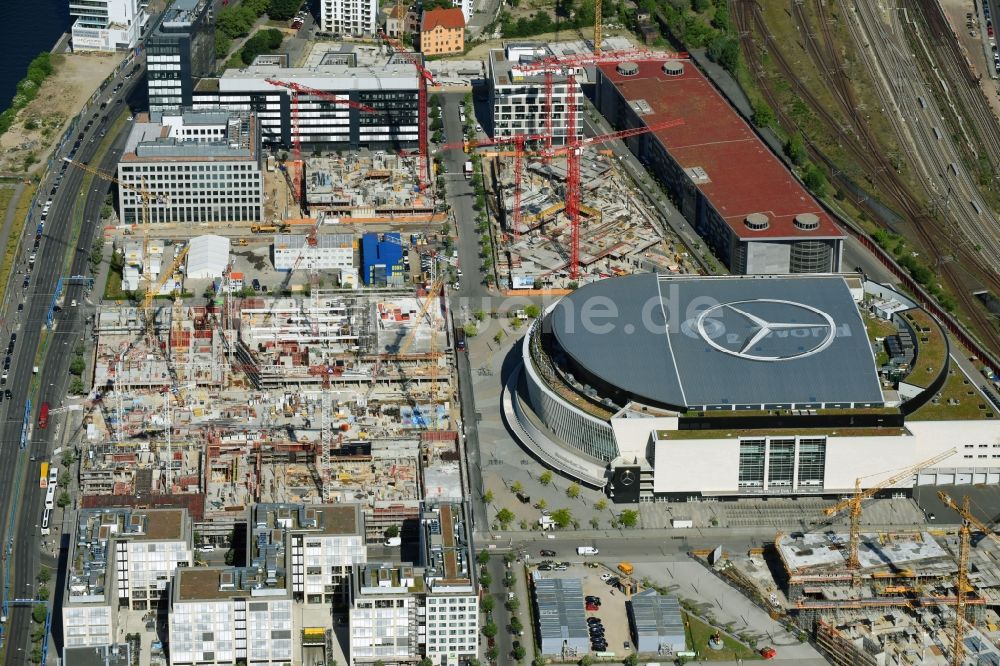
741	176
762	342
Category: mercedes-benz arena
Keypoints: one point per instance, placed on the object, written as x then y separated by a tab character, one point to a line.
672	387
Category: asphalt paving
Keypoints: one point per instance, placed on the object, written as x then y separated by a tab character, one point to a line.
67	330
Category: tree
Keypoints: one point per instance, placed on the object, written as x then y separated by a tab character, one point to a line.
492	653
516	487
222	44
38	614
601	504
763	116
632	660
563	518
515	625
490	629
519	652
282	10
470	329
541	504
497	337
479	315
628	518
76	386
485	579
725	50
483	557
488	497
795	148
64	479
505	516
43	593
586	660
426	661
814	180
391	531
63	500
512	604
77	365
487	604
532	311
572	491
44	575
545	478
509	558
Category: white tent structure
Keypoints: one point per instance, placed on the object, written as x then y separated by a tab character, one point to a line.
207	257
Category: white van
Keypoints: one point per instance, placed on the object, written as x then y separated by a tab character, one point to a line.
586	550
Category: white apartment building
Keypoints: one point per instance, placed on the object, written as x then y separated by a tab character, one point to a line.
348	17
324	543
383	616
330	252
452	607
120	557
226	616
518	93
106	25
201	166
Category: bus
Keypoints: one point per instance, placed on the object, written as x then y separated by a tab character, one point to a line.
43	477
45	522
43	416
50	497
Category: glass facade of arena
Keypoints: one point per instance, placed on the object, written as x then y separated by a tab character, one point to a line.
786	462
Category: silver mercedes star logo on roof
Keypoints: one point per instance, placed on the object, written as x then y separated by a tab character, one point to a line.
790	339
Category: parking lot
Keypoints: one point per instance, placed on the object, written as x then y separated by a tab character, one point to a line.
612	611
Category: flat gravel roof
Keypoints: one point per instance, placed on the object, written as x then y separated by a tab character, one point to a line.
790	342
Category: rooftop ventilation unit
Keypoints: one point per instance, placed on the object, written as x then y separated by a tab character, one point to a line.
628	68
757	222
806	222
673	68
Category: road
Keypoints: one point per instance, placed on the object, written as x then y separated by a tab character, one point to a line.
67	331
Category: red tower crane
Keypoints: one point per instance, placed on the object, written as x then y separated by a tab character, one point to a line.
299	89
424	77
518	141
572	152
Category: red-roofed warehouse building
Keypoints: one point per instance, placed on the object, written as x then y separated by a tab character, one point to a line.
734	191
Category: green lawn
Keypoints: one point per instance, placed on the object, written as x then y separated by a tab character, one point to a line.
931	354
698	634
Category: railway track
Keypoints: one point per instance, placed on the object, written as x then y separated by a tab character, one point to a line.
955	67
858	140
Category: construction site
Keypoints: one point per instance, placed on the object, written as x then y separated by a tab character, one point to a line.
619	233
338	396
927	596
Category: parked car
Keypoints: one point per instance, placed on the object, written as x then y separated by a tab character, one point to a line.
768	652
547	553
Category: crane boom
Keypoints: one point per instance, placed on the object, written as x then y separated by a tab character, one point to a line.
854	502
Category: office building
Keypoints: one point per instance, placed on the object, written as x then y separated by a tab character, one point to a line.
386	84
106	25
348	18
518	93
452	606
722	387
382	259
180	49
198	166
442	32
757	218
120	558
329	252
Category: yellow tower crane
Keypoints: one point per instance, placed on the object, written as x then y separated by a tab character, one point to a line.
154	289
597	26
853	503
145	195
962	586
